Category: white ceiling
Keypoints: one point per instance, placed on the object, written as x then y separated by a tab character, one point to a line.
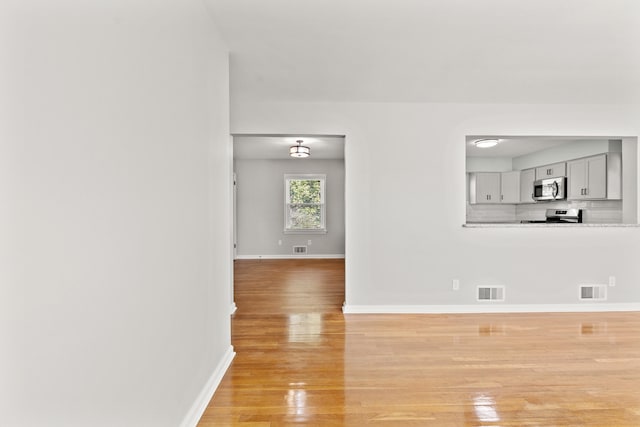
276	147
502	51
514	146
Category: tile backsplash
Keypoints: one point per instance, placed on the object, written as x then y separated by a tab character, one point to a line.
594	212
491	213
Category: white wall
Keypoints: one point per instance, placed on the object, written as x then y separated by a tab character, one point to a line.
404	240
114	219
260	208
489	164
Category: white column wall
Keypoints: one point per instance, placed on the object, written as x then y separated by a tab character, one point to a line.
114	212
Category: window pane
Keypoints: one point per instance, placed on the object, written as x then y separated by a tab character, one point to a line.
305	217
304	191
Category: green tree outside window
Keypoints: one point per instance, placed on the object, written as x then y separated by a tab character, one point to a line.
304	203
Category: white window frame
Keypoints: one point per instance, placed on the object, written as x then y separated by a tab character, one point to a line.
323	208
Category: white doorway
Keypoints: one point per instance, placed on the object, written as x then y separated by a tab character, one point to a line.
260	164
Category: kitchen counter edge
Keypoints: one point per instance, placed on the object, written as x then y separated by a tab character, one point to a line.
538	225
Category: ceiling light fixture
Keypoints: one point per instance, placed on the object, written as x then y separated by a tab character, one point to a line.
486	143
299	150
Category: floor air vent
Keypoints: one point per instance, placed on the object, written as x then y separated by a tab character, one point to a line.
490	293
593	292
299	250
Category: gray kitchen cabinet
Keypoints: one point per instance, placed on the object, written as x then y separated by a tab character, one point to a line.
587	178
510	187
484	187
527	177
551	171
494	187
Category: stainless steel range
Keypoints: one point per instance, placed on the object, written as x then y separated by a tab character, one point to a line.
559	216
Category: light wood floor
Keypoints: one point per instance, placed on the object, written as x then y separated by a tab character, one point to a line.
300	361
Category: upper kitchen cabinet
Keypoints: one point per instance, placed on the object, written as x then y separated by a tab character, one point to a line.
551	171
484	187
494	187
587	178
527	177
510	187
594	178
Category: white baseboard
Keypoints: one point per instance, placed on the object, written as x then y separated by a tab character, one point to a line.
488	308
308	256
197	409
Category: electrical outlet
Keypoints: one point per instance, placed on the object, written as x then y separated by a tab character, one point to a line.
279	242
612	281
455	283
308	242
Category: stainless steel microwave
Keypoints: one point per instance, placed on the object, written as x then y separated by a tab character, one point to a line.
550	189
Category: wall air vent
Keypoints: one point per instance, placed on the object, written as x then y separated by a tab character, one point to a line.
592	292
490	293
299	250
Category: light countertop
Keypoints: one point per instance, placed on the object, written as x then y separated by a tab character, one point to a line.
518	224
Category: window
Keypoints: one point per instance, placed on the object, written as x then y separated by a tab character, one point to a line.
304	204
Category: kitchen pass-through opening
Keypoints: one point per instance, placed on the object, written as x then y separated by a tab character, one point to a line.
559	180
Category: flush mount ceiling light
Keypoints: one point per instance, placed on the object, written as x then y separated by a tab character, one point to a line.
299	150
486	143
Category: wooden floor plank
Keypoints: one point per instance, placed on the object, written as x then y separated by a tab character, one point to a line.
300	361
